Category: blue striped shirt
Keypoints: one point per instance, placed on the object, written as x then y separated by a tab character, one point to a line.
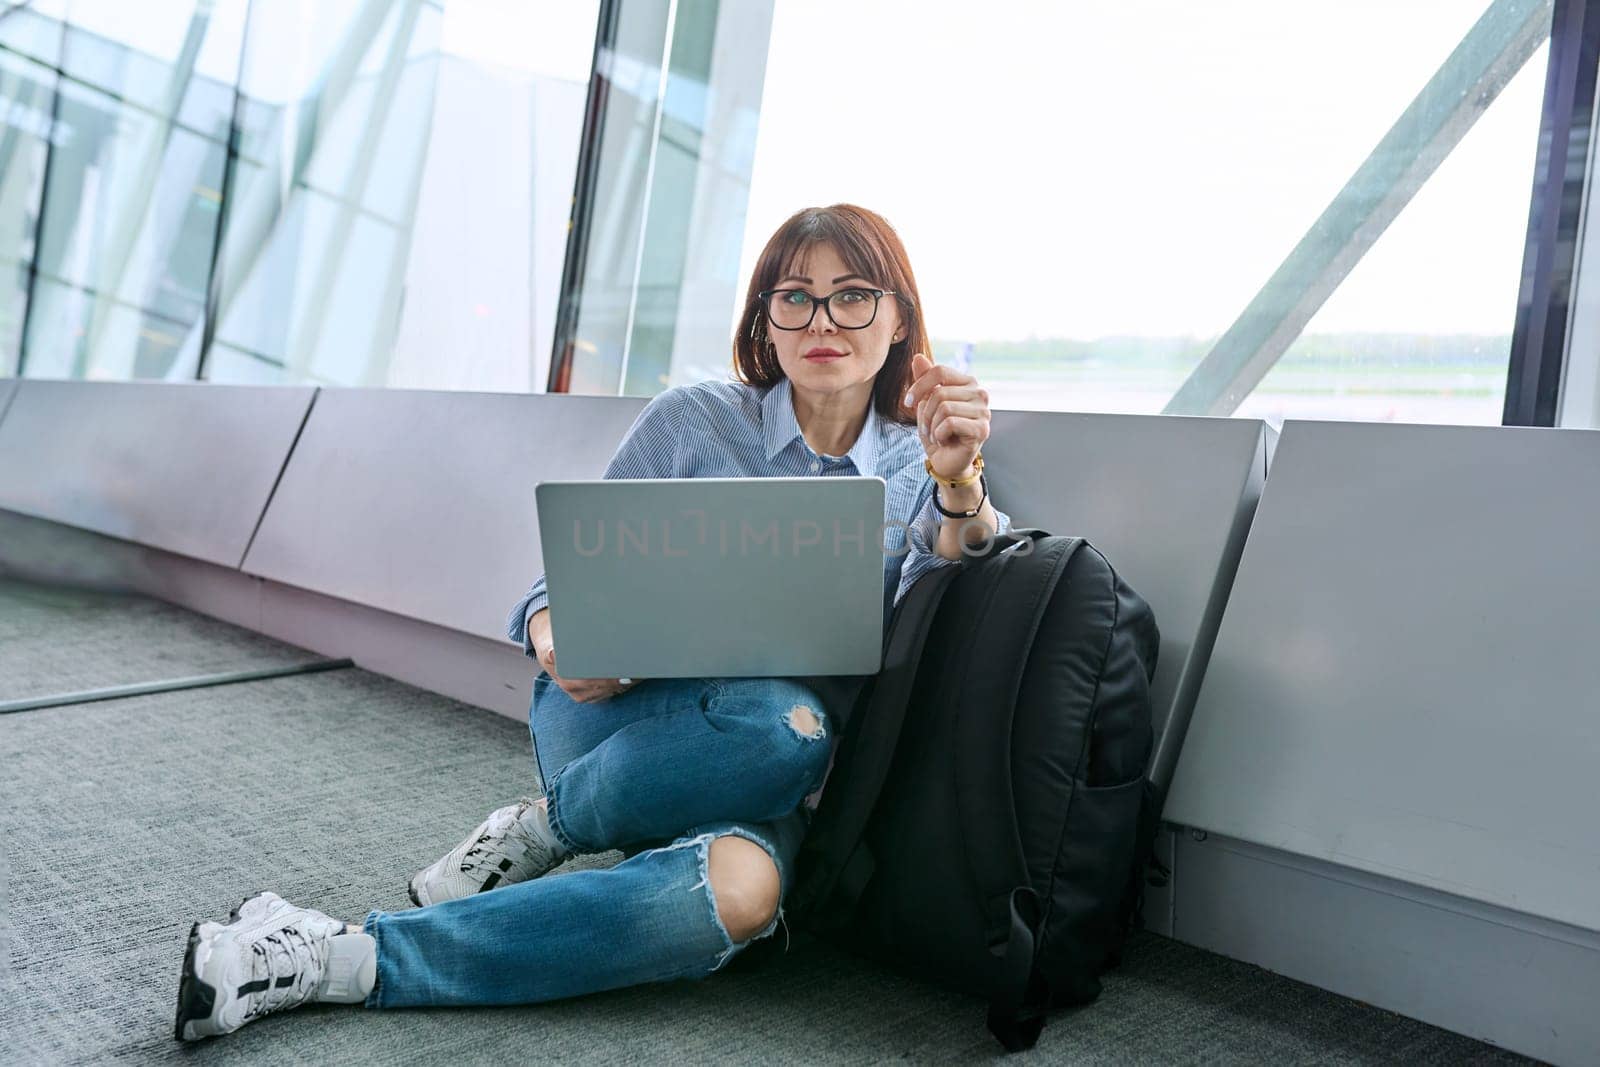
728	429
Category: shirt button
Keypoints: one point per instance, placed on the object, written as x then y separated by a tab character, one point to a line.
815	466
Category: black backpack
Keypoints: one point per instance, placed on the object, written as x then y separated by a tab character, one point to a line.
987	821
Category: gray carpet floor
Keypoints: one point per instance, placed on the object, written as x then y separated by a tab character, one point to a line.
60	640
125	821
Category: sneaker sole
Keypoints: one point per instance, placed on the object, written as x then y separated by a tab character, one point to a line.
197	998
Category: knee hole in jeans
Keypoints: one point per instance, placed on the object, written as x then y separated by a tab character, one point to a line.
805	722
745	884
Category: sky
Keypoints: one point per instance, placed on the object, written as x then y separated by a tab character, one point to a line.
552	38
1081	169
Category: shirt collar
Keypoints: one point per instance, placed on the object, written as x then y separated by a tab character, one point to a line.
779	428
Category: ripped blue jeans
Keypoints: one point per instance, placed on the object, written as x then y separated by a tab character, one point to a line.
659	772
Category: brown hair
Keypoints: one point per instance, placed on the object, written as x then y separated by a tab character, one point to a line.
869	247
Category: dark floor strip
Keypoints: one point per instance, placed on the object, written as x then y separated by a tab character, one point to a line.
167	686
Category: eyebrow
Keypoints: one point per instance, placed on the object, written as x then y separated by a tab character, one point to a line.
836	281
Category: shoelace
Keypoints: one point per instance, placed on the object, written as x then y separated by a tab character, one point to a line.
287	953
495	843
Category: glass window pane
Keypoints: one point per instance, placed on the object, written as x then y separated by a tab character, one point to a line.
227	363
489	232
1420	331
171	58
622	171
660	267
34	30
311	274
394	173
116	66
398	215
131	207
73	333
259	270
319	301
208	101
130	210
25	89
298	62
355	187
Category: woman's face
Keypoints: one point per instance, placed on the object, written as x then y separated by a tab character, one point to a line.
824	357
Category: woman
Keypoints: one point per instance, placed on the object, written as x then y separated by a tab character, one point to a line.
707	783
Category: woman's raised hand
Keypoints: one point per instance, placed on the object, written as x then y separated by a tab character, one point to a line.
952	412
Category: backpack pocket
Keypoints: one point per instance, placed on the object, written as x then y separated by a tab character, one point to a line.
1082	927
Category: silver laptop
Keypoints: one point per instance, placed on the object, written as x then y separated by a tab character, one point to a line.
714	577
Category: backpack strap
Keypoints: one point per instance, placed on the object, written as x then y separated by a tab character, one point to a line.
984	794
1017	1013
835	863
1008	621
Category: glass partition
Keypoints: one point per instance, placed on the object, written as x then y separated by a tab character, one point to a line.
27	86
356	192
128	187
655	268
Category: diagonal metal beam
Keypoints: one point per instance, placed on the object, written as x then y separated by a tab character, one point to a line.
1492	52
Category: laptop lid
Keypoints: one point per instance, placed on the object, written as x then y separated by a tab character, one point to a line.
714	577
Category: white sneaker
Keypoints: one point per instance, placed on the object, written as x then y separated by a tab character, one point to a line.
269	956
512	845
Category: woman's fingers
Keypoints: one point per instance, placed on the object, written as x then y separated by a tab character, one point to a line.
592	690
962	415
948	408
966	388
938	429
933	376
581	690
969	394
921	367
956	429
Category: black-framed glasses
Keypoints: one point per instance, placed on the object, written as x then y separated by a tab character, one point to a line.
848	309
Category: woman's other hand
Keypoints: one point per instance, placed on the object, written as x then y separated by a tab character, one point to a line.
581	690
952	412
